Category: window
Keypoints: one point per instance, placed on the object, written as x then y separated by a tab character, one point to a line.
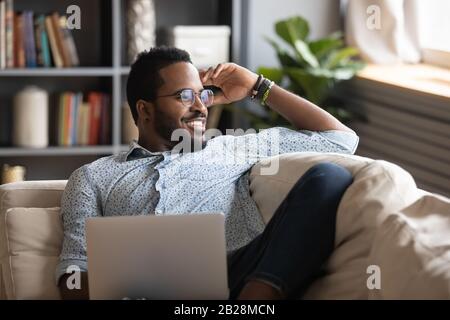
434	24
434	31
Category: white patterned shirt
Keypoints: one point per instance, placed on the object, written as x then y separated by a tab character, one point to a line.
215	179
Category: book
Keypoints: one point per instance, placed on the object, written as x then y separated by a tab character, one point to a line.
29	43
66	118
60	120
25	38
40	36
77	98
83	124
2	34
53	44
19	43
58	32
105	126
63	119
69	43
9	30
95	114
69	120
44	42
37	37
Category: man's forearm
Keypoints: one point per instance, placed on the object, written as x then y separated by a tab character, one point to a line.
301	113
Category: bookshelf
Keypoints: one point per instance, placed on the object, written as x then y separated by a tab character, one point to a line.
101	46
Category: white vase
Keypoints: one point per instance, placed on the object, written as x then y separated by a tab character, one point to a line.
30	118
141	25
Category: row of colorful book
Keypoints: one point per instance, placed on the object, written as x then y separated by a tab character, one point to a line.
83	121
29	40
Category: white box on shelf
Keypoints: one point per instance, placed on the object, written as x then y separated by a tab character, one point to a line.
207	45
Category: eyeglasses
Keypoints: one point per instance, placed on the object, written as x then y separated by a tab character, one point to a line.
187	97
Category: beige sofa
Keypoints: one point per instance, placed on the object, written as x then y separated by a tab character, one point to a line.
385	223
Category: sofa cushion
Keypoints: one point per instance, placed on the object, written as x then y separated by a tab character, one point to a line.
290	168
380	190
33	239
412	250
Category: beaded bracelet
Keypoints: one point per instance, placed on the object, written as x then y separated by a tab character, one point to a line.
256	86
262	88
266	94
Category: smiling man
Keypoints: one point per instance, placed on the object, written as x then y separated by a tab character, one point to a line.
163	96
166	93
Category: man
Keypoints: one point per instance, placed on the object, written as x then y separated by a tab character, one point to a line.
166	93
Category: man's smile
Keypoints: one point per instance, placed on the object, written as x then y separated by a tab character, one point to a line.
196	124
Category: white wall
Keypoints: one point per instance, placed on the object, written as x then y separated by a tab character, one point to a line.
323	16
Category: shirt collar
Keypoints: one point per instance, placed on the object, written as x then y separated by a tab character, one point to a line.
136	151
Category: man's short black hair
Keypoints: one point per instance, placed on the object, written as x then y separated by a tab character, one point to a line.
144	79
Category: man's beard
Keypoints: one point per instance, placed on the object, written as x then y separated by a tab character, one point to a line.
165	129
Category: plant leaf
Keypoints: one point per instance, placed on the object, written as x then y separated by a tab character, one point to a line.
292	29
285	59
354	65
323	47
273	74
315	87
344	73
338	74
347	71
273	44
305	54
340	57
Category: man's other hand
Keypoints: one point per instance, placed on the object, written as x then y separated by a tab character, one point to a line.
236	82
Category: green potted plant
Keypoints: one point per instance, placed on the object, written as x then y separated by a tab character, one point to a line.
311	69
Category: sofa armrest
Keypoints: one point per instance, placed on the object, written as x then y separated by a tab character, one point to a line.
37	194
30	238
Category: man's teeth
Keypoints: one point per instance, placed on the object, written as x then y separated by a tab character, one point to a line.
195	124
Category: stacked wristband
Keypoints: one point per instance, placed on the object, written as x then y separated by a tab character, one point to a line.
256	87
266	93
261	89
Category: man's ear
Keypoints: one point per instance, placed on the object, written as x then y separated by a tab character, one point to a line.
143	109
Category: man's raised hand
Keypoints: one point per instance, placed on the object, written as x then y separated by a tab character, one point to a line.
236	82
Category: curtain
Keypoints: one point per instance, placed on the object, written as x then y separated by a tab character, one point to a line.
385	31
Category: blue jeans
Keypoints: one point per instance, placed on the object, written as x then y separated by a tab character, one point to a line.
299	238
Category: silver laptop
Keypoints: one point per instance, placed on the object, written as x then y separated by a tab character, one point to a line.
157	257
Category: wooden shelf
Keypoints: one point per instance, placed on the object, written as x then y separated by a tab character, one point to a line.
125	70
59	72
57	151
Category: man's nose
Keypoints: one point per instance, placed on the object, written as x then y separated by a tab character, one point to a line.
199	106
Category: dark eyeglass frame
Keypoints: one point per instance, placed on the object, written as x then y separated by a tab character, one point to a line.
191	103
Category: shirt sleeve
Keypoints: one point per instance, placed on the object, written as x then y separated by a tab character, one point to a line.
281	140
79	201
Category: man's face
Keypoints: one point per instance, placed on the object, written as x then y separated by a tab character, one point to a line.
170	113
